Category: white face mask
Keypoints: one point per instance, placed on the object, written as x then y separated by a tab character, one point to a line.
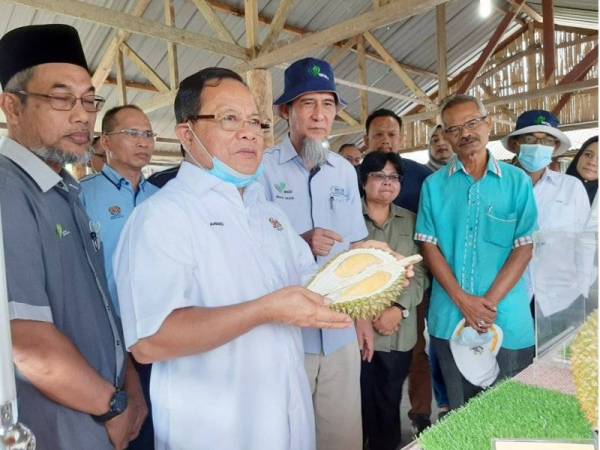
222	171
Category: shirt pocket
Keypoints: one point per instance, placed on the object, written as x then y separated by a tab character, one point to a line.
499	228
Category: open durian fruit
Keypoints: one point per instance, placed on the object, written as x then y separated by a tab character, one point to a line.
362	282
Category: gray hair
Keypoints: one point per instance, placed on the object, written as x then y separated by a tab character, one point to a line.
460	99
19	81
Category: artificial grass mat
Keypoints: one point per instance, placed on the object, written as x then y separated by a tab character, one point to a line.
509	410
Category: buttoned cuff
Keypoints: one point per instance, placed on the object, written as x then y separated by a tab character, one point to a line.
425	238
525	240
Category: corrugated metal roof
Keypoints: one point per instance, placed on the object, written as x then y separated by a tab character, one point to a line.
411	41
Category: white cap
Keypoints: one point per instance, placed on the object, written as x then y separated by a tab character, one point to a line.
475	354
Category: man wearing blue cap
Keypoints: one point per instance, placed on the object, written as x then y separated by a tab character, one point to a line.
318	190
563	209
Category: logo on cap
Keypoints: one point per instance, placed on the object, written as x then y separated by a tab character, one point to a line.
541	120
315	71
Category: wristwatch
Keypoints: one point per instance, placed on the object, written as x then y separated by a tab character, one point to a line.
405	312
118	404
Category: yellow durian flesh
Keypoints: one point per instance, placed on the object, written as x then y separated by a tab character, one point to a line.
369	285
355	264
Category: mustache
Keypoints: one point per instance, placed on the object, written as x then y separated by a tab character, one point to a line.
468	140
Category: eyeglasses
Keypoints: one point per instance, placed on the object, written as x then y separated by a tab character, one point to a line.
66	102
532	139
472	124
381	177
233	122
132	132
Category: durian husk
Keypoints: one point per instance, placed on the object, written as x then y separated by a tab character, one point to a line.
584	366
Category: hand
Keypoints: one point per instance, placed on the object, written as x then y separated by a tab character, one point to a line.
303	308
119	428
366	339
480	313
137	402
388	322
321	240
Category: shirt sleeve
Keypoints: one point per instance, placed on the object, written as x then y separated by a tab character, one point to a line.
359	228
582	206
526	210
413	295
425	228
25	270
153	267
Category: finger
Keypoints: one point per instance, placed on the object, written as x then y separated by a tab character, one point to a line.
327	315
330	234
314	297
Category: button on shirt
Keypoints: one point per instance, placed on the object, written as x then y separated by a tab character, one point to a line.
198	243
56	275
476	225
109	200
553	273
328	199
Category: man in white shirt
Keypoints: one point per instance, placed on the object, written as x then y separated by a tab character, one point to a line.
563	209
203	271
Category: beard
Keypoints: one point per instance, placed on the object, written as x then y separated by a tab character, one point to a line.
58	157
314	152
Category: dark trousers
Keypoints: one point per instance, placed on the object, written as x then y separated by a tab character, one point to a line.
437	379
419	376
145	440
459	390
381	383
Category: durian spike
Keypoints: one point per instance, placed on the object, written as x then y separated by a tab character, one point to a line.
404	262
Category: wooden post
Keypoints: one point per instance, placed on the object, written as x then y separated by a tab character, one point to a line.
171	48
260	83
121	78
549	46
251	20
442	54
362	78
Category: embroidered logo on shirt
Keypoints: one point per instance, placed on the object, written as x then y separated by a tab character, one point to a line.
282	188
61	232
216	224
115	211
276	224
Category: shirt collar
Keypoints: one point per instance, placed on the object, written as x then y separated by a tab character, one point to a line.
551	176
396	210
455	164
38	170
287	152
117	179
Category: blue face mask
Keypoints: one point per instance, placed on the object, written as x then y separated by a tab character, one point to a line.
225	173
535	157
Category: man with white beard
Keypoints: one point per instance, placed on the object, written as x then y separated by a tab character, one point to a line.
318	190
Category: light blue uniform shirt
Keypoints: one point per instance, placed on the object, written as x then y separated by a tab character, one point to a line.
109	200
476	225
330	201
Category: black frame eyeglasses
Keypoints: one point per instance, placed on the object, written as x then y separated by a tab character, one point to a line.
132	132
66	101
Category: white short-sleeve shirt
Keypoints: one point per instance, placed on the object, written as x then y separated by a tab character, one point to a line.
198	243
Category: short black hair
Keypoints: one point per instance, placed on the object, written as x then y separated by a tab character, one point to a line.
346	145
382	112
187	100
376	161
109	121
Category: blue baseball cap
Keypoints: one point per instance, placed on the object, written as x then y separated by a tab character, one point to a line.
540	121
308	75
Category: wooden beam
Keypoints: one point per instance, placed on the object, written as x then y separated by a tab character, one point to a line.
251	20
276	26
548	42
341	52
122	88
442	52
158	101
214	21
362	78
389	59
532	13
135	85
171	48
106	63
578	73
375	90
132	24
144	68
380	17
490	94
489	48
260	84
347	118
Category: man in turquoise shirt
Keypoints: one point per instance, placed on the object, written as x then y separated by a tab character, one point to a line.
476	220
109	198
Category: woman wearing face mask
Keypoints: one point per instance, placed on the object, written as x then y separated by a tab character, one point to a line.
563	209
585	166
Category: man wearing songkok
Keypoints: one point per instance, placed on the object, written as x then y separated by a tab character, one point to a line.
75	385
476	222
208	274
